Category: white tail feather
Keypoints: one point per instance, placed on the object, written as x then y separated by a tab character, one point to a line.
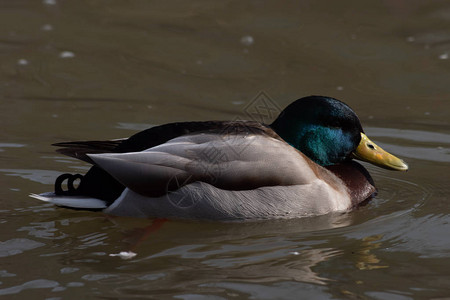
71	201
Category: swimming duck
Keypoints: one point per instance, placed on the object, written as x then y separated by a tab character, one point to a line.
300	165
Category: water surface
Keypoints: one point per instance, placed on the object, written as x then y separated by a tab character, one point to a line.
76	70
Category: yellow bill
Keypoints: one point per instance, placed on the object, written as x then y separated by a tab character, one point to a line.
368	151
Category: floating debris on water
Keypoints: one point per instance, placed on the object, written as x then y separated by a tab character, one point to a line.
443	56
247	40
49	2
67	54
124	254
46	27
22	62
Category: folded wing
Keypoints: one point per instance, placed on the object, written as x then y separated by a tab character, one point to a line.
231	162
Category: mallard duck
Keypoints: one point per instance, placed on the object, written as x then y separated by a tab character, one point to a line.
300	165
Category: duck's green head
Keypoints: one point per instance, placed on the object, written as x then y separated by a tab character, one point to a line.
329	132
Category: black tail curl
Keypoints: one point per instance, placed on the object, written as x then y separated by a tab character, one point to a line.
71	190
96	183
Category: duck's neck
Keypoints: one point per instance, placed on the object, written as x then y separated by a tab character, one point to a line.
357	179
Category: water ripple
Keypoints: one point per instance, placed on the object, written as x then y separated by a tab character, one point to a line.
10	145
41	176
411	135
33	284
437	146
45	230
17	246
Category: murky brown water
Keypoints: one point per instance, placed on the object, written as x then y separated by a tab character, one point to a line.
103	69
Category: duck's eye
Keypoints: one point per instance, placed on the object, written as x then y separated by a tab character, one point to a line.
371	146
